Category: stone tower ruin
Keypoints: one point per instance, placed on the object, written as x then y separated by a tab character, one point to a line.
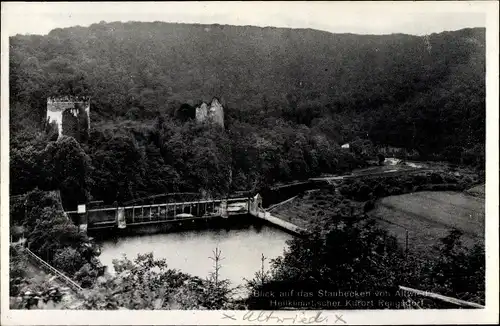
70	114
213	113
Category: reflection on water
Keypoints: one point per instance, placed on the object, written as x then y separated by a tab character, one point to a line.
189	251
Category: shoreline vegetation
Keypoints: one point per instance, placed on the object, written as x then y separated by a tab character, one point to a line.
318	104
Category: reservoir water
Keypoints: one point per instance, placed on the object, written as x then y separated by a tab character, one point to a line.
189	251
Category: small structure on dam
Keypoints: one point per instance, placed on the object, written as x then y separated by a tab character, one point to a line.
70	114
255	204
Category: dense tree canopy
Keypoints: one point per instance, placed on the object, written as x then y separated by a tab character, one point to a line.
291	98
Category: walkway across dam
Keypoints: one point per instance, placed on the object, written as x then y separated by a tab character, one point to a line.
123	217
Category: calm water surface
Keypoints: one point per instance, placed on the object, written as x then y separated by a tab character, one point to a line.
189	251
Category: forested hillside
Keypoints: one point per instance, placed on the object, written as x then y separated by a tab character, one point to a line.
291	97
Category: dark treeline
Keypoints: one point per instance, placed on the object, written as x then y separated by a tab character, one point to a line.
315	269
291	98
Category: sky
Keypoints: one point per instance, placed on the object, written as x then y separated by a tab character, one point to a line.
417	18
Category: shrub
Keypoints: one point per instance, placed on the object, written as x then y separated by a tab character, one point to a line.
441	187
450	179
408	186
363	193
395	191
369	205
380	190
419	179
436	178
86	276
68	260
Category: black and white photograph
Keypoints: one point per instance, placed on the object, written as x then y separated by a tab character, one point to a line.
276	162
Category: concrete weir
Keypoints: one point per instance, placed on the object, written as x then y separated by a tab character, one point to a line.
297	230
257	211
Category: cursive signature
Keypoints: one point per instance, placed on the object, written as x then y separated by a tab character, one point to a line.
270	316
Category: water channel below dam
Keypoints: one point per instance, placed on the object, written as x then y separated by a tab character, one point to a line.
241	245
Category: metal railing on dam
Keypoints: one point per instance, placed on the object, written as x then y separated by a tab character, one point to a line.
110	217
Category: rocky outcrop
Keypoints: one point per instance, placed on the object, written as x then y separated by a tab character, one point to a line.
213	113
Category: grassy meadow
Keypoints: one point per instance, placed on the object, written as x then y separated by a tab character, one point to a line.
429	216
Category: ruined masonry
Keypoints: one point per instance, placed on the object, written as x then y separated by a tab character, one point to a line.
71	115
212	114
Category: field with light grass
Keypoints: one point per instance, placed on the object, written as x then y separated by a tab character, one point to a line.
429	216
